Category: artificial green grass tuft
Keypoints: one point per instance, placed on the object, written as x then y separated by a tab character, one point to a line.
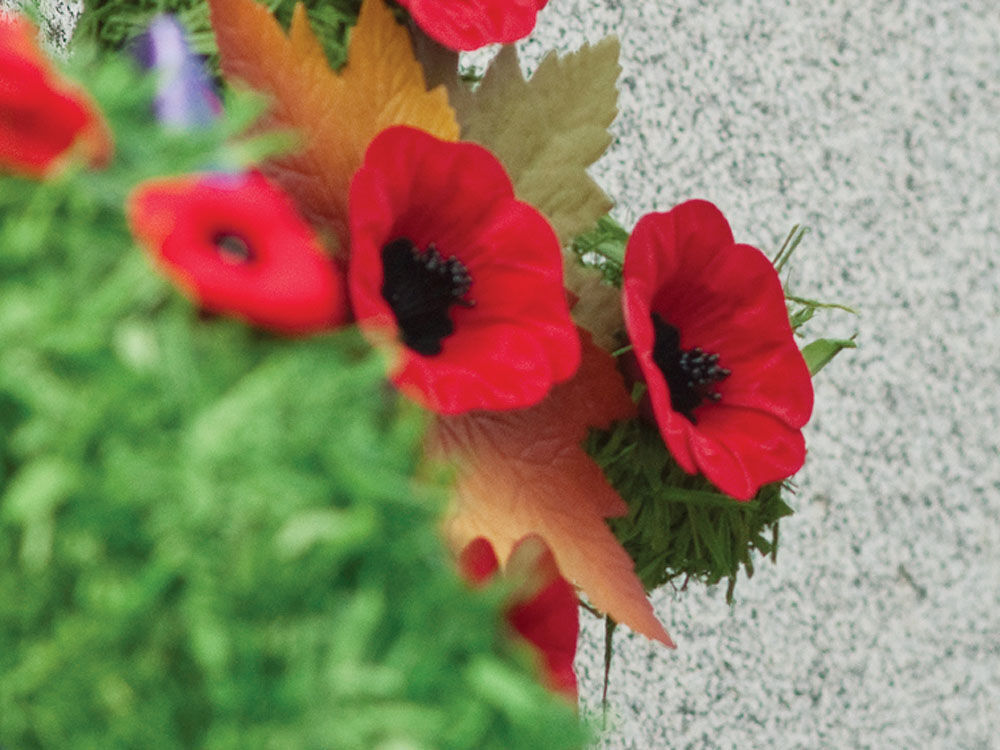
679	526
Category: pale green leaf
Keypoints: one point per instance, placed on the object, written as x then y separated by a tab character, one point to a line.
547	130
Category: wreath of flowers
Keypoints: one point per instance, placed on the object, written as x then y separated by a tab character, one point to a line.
457	228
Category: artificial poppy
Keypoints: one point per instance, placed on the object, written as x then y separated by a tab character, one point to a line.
236	244
43	118
471	24
543	607
455	276
707	319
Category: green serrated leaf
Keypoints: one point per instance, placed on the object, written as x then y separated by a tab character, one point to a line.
819	353
549	129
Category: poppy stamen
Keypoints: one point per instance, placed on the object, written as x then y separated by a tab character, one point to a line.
420	287
690	373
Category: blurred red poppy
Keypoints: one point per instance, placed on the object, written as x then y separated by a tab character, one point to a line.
471	24
43	118
236	244
707	318
457	277
543	608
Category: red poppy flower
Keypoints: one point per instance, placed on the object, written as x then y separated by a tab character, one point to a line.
42	117
471	24
455	275
236	244
728	386
543	609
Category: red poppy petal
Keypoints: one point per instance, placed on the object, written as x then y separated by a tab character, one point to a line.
543	607
42	116
545	610
454	191
551	623
740	450
287	283
674	428
523	287
744	318
478	562
505	366
472	24
685	239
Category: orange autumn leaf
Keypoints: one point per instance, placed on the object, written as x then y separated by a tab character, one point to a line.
524	472
335	115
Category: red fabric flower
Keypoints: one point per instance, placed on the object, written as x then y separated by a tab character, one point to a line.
471	24
543	608
456	276
728	386
42	116
236	244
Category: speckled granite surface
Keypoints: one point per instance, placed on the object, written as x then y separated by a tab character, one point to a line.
877	123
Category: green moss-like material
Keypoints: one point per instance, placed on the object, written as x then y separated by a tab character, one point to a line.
603	247
211	537
678	525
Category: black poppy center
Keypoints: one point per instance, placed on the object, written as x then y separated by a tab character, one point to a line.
690	373
420	287
232	248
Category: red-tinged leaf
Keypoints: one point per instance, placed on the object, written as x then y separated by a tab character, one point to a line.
524	472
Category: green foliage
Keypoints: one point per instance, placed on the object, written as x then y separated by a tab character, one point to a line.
679	525
821	352
603	247
209	536
801	310
789	246
111	24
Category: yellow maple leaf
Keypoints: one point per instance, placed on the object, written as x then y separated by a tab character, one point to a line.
547	130
335	115
524	472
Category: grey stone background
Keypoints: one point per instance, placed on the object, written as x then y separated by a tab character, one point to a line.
877	123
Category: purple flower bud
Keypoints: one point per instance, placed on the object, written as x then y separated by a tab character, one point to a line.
184	95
